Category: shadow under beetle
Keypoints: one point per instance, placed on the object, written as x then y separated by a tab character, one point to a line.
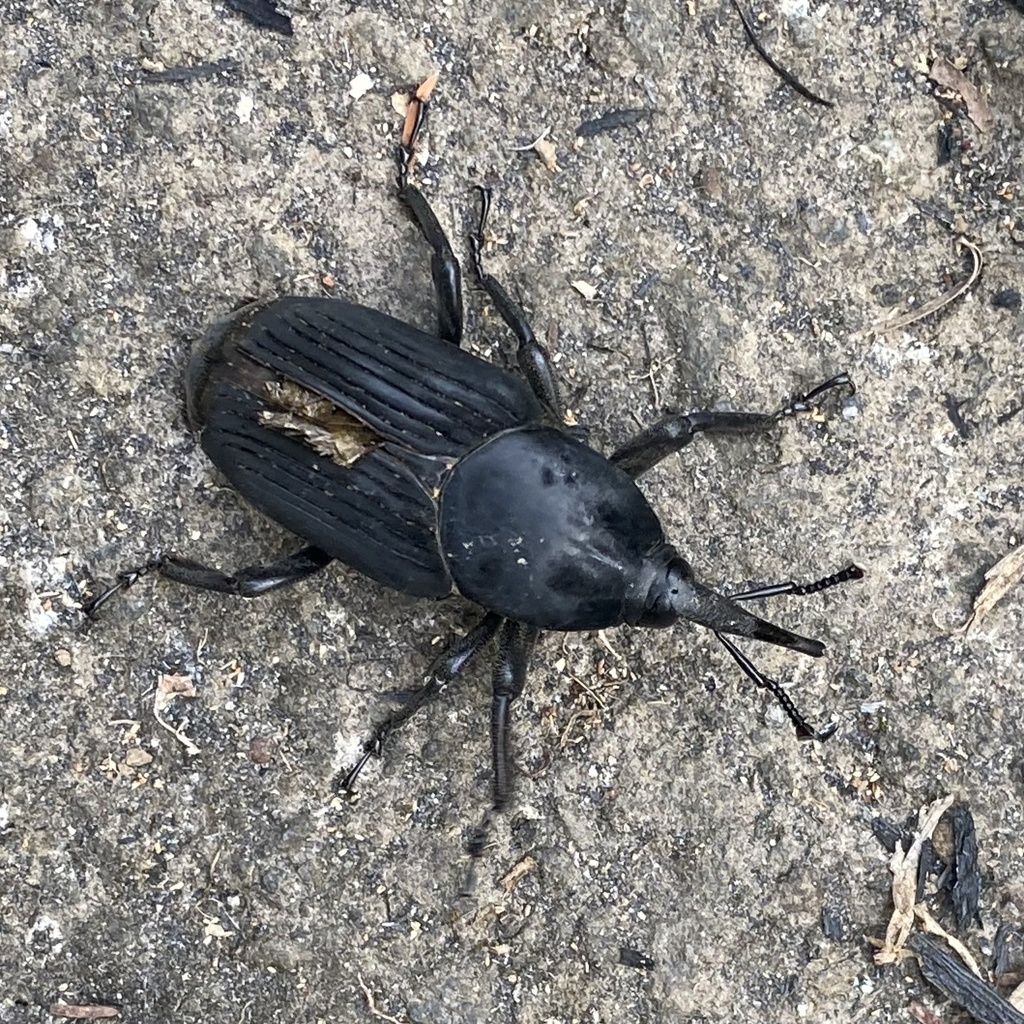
433	472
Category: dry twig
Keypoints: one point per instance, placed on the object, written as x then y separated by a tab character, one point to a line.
999	581
933	305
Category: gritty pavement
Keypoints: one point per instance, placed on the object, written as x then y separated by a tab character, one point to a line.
672	853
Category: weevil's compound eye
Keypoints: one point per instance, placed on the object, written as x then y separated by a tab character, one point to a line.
678	574
668	591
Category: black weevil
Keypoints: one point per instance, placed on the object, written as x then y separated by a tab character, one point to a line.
433	472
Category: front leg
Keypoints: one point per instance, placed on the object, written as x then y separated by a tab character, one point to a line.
675	431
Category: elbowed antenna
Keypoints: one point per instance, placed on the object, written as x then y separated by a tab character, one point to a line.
803	728
804	731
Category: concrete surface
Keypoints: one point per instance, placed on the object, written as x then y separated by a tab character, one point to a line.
740	242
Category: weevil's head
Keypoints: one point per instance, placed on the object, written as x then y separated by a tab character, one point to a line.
669	593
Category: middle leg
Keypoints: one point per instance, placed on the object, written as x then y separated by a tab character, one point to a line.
532	358
444	267
445	668
516	645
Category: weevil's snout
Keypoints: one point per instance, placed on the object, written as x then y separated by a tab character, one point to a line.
675	594
702	605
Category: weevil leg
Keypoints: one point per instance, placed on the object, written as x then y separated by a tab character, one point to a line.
851	572
248	582
445	668
444	267
532	358
675	431
516	645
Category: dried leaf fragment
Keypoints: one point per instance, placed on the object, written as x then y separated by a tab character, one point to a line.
170	686
961	979
951	77
546	151
904	884
1016	997
328	430
518	872
999	581
544	148
414	108
932	927
76	1011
